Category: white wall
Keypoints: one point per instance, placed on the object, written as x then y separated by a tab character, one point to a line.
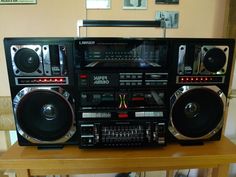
198	18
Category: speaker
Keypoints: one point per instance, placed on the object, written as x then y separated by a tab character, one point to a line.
199	84
41	80
196	112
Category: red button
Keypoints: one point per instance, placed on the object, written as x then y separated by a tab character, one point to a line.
83	76
138	99
123	115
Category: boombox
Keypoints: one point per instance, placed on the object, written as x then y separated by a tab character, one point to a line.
118	92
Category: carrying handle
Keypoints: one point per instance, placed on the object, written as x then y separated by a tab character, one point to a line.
121	23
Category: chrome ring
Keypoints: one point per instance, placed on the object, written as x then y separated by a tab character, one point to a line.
63	94
174	98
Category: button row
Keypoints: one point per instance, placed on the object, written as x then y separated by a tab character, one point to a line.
130	83
155	83
149	114
131	77
96	115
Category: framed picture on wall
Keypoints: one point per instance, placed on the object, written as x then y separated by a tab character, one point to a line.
171	18
98	4
135	4
167	1
2	2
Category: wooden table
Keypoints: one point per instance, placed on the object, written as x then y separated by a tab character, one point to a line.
28	161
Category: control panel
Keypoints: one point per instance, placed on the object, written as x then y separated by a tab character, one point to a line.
122	134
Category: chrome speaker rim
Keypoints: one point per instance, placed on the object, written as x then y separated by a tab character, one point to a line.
177	95
62	94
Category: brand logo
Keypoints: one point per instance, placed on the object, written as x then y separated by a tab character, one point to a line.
86	42
100	80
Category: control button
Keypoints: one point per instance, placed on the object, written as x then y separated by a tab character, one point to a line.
134	77
106	115
84	96
83	82
139	76
139	83
98	115
158	114
155	76
96	98
122	77
148	83
107	97
133	83
123	115
87	141
89	115
122	83
128	76
139	114
138	99
148	114
83	76
127	83
161	140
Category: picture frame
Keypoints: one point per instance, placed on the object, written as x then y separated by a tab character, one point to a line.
135	4
171	18
17	2
98	4
167	1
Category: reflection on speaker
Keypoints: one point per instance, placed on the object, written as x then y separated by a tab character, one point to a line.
196	112
44	115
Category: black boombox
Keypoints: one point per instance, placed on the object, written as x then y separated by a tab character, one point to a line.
118	92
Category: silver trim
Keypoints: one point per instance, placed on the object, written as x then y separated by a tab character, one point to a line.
62	49
37	48
181	59
46	61
156	73
149	114
155	80
96	115
202	54
121	80
181	91
196	62
92	64
130	74
57	90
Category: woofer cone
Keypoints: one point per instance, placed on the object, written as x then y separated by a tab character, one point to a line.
44	115
196	112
